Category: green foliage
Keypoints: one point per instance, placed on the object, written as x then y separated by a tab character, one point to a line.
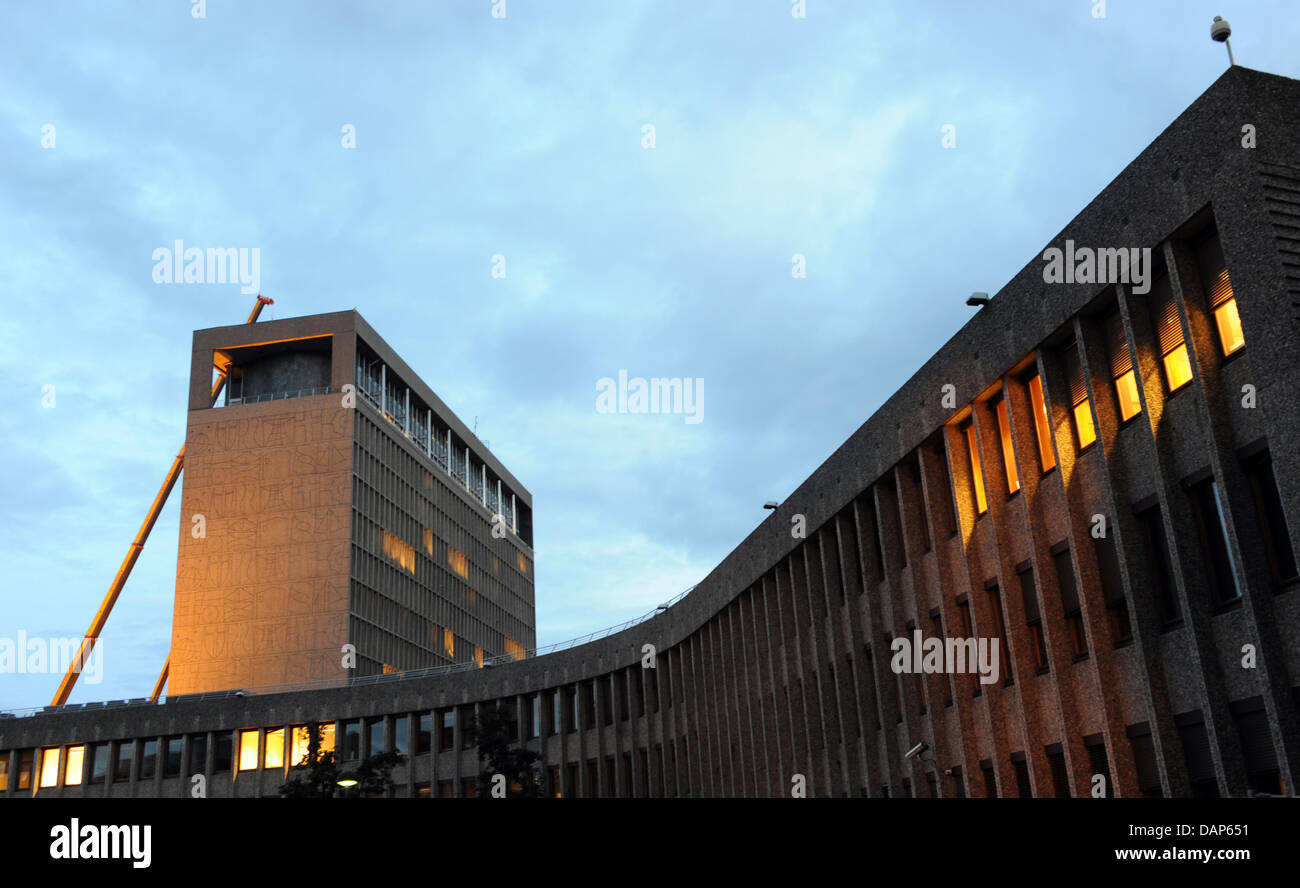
492	732
317	775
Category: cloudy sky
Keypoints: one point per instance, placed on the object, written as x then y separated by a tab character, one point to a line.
524	136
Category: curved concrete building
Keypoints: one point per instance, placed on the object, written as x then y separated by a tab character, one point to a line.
1059	561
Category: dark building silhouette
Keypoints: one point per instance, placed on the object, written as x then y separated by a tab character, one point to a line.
1103	476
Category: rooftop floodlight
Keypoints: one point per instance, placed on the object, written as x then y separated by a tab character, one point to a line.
978	299
770	504
1220	31
917	749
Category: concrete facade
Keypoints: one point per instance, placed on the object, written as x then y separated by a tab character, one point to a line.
1141	585
327	518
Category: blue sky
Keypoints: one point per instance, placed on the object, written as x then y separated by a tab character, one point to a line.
523	136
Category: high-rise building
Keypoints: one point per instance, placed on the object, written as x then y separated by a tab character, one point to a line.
332	500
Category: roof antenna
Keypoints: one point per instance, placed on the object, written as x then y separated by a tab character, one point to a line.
1220	31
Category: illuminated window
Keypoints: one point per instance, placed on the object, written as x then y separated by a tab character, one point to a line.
1008	450
248	750
1121	368
400	551
72	771
1169	331
302	743
514	649
523	562
1223	303
1082	407
459	563
4	772
1229	325
1042	427
49	771
449	643
428	541
274	757
478	656
977	476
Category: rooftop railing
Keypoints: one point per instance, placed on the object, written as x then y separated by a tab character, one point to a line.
355	681
279	396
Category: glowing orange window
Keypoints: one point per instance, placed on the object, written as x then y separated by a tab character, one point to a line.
977	475
1041	426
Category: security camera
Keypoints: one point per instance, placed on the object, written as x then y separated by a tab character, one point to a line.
1220	30
770	504
917	749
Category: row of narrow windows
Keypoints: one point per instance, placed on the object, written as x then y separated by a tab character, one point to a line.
280	747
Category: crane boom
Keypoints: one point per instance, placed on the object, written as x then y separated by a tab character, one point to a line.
137	545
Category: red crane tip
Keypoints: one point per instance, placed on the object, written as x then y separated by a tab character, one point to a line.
265	300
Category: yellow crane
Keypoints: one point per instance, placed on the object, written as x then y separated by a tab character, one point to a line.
133	553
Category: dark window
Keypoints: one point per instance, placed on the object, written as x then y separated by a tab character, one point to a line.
958	783
1157	551
1060	776
468	788
172	763
1257	749
533	706
591	789
148	760
98	762
1196	754
556	726
589	704
424	734
990	780
446	789
1034	619
223	753
1004	652
447	730
352	739
1272	521
937	624
1144	760
401	734
1112	587
1220	569
198	763
1070	600
466	727
26	756
1021	768
572	708
1097	761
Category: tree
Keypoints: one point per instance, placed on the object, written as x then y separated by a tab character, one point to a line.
493	734
317	775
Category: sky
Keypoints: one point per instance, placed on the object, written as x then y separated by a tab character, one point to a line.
664	252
